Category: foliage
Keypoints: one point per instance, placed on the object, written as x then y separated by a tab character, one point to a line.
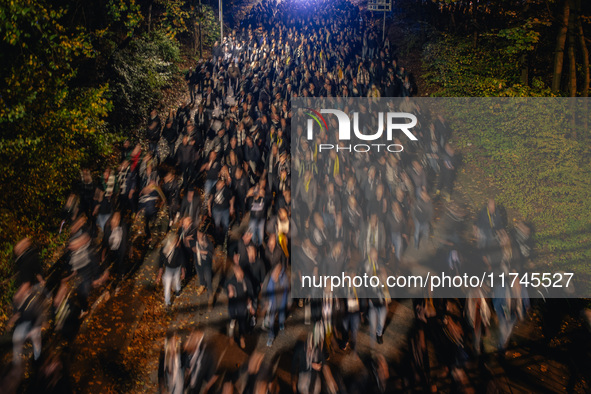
541	165
6	283
176	17
139	74
534	156
48	126
125	12
209	26
522	38
74	75
180	19
453	67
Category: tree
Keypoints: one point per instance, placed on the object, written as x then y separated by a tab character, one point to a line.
524	33
49	127
584	51
560	43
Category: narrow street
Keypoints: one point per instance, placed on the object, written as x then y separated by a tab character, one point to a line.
219	166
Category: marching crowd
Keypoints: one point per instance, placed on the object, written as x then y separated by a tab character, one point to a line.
224	160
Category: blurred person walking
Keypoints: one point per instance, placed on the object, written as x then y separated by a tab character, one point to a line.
171	271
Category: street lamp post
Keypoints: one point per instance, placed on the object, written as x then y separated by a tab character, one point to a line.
221	23
380	6
384	28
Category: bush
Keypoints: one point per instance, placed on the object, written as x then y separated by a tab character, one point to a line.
541	165
140	72
6	284
455	68
538	161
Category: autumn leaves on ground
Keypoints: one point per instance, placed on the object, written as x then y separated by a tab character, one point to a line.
118	352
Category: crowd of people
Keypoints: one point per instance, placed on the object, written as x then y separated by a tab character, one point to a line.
224	160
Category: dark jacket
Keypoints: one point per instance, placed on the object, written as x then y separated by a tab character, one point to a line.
191	208
28	267
423	211
174	261
237	306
